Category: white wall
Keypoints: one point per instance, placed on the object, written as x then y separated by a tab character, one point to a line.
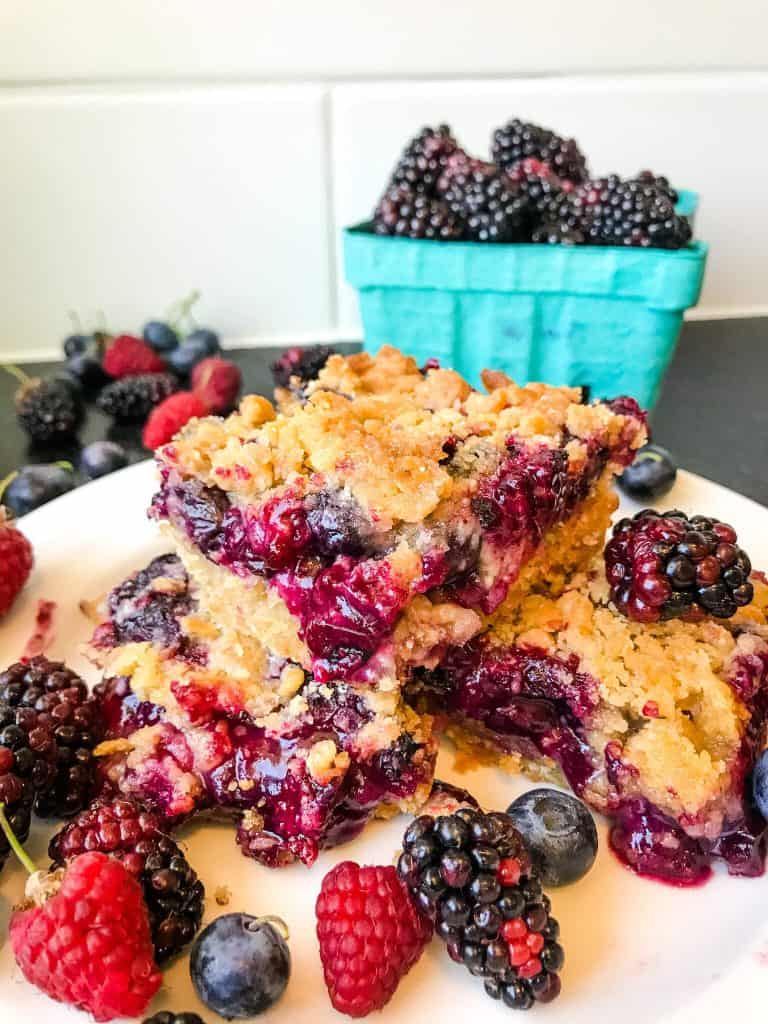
149	148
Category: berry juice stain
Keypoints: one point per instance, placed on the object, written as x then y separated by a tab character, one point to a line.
43	635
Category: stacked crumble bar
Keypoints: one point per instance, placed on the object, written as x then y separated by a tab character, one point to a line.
330	552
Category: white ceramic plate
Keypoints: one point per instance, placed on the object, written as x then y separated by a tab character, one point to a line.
636	950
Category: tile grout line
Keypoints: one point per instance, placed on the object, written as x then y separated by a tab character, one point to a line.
330	208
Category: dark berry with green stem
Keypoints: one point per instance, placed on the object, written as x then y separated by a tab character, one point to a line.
132	399
34	485
48	410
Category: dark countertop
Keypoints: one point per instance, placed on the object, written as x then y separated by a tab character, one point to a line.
713	412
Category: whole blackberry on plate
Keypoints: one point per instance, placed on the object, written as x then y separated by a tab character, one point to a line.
663	565
51	705
492	207
423	160
632	213
470	872
20	765
406	212
174	895
300	365
518	140
48	410
132	399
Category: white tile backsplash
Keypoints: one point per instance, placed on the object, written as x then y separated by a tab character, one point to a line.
125	201
694	128
123	198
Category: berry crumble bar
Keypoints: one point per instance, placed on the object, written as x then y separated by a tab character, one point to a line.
656	725
381	511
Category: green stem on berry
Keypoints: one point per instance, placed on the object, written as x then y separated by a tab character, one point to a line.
5	481
181	310
16	372
14	843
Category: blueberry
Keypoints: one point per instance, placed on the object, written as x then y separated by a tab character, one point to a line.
240	965
160	336
559	832
86	367
75	344
192	351
102	457
760	784
207	338
651	475
35	485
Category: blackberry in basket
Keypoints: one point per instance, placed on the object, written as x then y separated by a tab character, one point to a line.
406	212
519	140
423	160
492	207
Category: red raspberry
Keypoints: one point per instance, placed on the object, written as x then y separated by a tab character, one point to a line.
89	944
217	382
370	936
15	562
167	419
128	356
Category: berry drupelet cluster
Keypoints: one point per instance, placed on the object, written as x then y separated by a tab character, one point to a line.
535	189
298	366
665	565
131	399
174	895
520	140
492	206
471	874
48	410
48	728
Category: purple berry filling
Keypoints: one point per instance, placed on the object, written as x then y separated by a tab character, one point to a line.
263	775
531	703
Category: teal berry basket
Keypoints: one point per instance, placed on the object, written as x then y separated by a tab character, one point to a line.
606	317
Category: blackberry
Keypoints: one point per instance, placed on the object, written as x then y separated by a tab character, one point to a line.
48	410
493	207
470	873
300	365
174	895
633	213
17	793
658	181
662	566
558	234
424	159
51	705
518	140
132	399
404	211
168	1017
538	185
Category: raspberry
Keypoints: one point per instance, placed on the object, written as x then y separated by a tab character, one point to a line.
170	416
492	207
363	964
297	366
173	893
132	399
58	717
217	382
128	356
89	944
518	140
471	874
662	566
406	212
48	410
15	561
